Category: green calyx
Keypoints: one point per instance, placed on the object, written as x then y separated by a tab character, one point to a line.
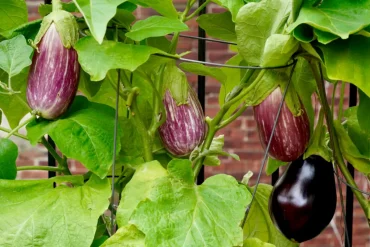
66	26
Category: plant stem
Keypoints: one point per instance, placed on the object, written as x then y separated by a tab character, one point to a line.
15	134
197	11
40	168
57	5
62	162
333	98
342	91
334	141
15	130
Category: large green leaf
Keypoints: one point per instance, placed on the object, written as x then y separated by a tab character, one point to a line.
29	30
259	224
179	213
111	55
79	134
340	18
232	5
155	26
15	106
351	63
164	7
34	213
15	55
255	23
218	25
138	189
97	14
255	242
13	13
8	157
128	236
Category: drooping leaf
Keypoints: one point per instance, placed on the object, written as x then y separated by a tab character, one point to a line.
29	30
340	18
14	13
164	7
155	26
207	215
111	55
255	242
232	5
128	236
200	69
15	106
15	55
259	224
255	23
350	151
324	37
79	134
272	165
8	157
97	14
350	64
34	213
218	25
138	189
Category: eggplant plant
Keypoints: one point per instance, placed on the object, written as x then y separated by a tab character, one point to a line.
111	91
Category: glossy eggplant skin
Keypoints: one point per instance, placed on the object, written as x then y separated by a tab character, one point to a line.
292	134
304	199
185	126
53	77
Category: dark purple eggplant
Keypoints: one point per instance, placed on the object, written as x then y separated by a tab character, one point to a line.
53	77
304	199
185	125
292	134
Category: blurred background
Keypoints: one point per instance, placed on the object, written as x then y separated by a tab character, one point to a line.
241	138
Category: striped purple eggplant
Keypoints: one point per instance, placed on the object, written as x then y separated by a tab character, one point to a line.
185	125
53	77
292	134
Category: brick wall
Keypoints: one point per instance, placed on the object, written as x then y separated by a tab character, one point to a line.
240	137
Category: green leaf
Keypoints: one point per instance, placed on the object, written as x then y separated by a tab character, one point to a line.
259	224
138	189
124	17
79	134
87	87
232	5
324	37
200	69
111	55
207	215
15	55
14	13
363	115
29	30
350	151
255	242
128	6
155	26
255	23
340	18
218	25
34	213
273	165
15	106
97	15
164	7
128	236
359	136
8	157
351	63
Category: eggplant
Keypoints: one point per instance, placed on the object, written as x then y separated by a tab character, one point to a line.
185	126
53	77
304	199
292	134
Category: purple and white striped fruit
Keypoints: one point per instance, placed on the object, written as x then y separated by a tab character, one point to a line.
53	77
292	134
185	125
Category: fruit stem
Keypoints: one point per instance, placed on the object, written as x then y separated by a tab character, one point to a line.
15	130
334	141
40	168
62	162
57	5
342	91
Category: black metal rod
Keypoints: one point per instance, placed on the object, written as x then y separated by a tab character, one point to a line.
202	52
275	177
349	193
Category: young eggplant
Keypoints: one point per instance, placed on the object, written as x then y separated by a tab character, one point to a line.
292	134
304	199
185	125
54	73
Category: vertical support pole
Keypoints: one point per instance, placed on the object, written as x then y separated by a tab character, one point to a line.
275	177
349	193
51	160
201	79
